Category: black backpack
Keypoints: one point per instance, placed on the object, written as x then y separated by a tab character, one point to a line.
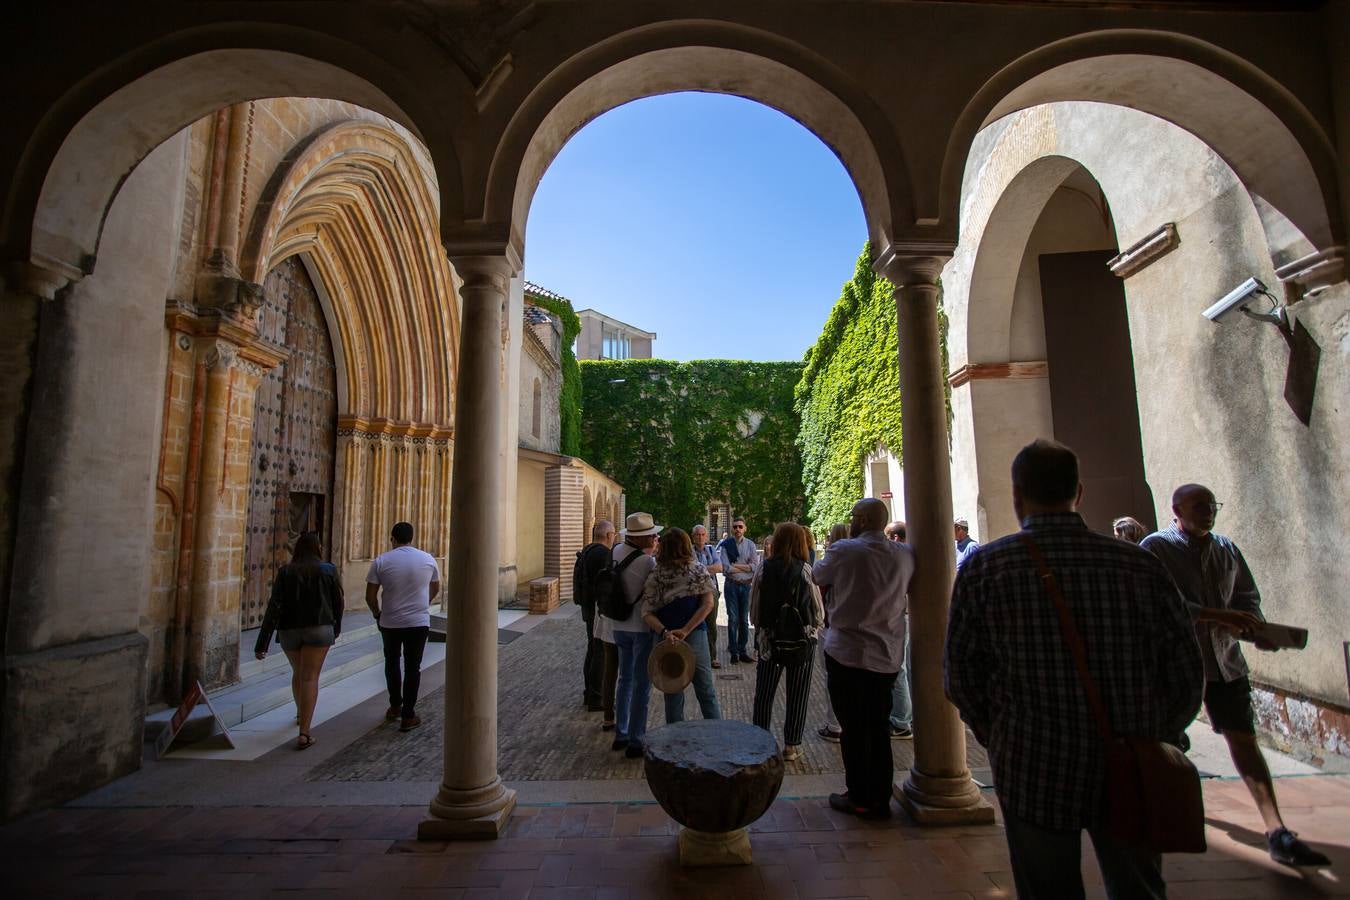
605	588
789	644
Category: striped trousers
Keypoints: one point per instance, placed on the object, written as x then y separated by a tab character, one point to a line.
767	674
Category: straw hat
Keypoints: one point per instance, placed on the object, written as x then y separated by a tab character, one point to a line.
639	523
671	666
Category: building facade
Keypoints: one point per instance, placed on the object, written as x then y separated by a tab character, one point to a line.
605	337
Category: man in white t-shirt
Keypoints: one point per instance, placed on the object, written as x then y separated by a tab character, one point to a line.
410	581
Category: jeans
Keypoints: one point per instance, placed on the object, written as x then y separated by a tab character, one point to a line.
712	627
403	686
738	618
1046	864
593	667
798	690
902	707
861	700
704	689
634	688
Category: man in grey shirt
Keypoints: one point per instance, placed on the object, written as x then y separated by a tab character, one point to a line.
868	579
738	556
1224	604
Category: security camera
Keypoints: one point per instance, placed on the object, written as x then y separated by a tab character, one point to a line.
1235	303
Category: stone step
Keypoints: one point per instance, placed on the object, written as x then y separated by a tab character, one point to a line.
249	667
266	690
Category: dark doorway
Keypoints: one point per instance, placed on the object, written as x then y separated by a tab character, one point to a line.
294	435
1092	392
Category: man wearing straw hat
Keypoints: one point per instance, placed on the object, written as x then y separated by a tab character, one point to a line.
632	638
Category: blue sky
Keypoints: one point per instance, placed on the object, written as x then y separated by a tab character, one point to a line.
720	224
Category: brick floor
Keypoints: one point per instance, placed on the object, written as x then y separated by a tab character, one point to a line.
544	734
802	849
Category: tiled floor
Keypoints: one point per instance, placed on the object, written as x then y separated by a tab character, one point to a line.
802	849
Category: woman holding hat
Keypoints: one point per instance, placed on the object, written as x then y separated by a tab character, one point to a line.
783	585
676	601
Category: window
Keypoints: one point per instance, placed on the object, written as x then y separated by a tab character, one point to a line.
615	344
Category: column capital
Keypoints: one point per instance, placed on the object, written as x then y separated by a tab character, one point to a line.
486	270
35	280
913	263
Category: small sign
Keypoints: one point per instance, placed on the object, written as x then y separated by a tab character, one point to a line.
194	696
886	495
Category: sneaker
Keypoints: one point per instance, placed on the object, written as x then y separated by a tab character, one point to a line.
619	744
829	734
792	753
607	726
409	723
716	664
390	715
901	733
746	658
633	751
1288	850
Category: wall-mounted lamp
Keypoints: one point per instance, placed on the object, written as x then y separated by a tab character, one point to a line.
1300	380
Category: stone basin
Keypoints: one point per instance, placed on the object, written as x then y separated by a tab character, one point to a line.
714	777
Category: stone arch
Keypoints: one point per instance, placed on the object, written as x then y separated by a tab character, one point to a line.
713	57
91	139
390	293
1277	147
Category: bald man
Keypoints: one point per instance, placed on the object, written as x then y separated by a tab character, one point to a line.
868	578
1224	604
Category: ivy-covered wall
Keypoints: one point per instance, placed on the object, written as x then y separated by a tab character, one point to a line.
677	435
849	395
570	405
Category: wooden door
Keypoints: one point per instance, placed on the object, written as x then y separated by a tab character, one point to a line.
294	435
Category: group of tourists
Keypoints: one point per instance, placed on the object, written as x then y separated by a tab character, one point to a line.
1154	628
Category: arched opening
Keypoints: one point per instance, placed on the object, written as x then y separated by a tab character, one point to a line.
703	57
1280	151
1049	348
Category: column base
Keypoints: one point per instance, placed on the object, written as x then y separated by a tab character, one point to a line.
487	827
715	848
961	803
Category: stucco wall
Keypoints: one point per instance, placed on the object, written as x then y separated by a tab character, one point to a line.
74	698
529	521
1210	396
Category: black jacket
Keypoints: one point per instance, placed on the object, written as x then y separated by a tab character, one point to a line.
302	600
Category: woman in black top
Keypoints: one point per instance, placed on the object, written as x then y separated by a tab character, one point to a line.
786	611
305	610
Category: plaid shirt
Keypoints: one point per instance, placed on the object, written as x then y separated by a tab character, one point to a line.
1013	678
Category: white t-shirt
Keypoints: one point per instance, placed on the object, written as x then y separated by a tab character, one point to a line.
404	574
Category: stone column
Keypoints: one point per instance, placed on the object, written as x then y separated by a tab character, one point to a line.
939	789
472	801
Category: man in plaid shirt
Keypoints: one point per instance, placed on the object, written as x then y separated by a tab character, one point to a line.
1011	675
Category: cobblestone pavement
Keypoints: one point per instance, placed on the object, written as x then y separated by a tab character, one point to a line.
606	851
545	734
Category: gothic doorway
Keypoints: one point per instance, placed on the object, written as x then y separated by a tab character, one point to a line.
294	435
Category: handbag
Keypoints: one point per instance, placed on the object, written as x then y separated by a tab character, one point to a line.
1152	791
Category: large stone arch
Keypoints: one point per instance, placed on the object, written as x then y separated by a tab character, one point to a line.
94	136
390	294
1279	149
713	57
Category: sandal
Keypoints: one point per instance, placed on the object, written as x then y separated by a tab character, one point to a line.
304	742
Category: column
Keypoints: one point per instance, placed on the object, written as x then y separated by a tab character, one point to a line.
472	801
939	789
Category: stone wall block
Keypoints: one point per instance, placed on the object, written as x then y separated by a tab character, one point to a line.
73	720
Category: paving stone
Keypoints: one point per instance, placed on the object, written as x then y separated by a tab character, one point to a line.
545	734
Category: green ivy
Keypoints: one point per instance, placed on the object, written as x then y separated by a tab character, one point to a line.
849	395
675	435
570	395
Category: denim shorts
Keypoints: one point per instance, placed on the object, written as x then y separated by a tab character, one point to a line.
312	636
